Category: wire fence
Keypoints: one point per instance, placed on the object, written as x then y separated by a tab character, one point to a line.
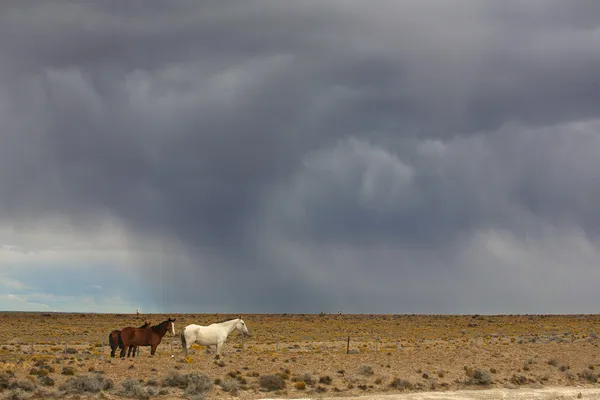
87	348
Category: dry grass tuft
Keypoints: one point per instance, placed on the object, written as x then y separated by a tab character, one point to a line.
270	383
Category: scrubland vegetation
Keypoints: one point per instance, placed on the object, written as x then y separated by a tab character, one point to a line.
67	356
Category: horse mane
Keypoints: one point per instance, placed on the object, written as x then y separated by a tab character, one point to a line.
157	327
226	320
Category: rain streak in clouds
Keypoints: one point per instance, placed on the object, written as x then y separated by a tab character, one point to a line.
267	156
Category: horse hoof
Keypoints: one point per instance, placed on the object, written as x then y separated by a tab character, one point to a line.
217	357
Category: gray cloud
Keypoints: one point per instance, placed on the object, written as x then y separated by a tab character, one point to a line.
310	156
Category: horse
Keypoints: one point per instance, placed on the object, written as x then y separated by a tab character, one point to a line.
131	337
211	335
113	339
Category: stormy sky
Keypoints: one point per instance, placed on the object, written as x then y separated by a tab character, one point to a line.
300	156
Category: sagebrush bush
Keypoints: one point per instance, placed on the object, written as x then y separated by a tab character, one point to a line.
87	384
589	376
518	379
478	376
401	384
24	385
46	380
132	388
366	370
198	384
17	394
175	379
271	382
306	378
230	385
5	380
193	383
325	380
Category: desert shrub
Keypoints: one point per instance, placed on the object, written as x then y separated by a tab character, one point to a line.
553	362
175	379
87	384
563	368
151	391
481	377
306	378
284	375
325	380
45	380
300	385
5	380
17	394
366	370
478	377
198	384
132	388
230	385
152	382
401	384
194	384
518	380
70	350
589	376
271	382
25	385
68	371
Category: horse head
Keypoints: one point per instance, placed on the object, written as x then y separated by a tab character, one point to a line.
171	325
241	326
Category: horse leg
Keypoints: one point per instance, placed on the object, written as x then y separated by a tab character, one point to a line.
133	348
219	346
153	350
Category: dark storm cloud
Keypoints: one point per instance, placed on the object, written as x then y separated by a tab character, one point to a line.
303	154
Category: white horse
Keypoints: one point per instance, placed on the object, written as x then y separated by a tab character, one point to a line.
211	335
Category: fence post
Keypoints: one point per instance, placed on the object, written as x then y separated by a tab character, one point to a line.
348	346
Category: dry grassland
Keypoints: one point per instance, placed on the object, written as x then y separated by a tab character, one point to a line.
66	356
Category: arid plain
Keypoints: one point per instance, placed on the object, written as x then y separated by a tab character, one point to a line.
54	355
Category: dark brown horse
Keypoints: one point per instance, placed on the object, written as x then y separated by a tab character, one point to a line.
113	339
130	337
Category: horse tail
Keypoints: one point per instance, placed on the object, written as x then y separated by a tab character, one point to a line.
121	345
111	341
183	341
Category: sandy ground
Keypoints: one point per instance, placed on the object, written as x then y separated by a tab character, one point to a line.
555	393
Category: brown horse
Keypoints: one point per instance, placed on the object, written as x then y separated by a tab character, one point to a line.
113	339
131	337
